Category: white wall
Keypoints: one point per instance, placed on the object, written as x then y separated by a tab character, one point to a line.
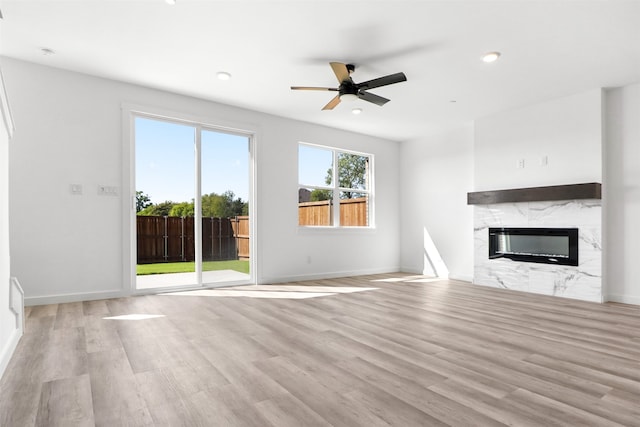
285	248
622	193
436	174
568	131
72	134
67	247
438	171
580	137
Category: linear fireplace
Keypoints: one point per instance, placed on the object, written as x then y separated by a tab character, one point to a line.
540	245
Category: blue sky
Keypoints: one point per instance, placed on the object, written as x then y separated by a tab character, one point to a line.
165	165
313	163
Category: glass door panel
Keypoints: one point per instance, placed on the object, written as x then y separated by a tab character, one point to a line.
224	206
165	193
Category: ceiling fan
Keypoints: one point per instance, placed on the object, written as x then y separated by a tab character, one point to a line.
348	90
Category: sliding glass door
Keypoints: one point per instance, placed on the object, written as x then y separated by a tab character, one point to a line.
192	205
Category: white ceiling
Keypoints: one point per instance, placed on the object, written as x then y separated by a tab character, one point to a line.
549	49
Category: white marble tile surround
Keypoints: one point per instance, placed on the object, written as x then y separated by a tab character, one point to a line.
583	282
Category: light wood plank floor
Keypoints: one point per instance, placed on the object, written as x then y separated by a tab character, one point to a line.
411	352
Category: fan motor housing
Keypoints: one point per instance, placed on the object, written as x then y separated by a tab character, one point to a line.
348	87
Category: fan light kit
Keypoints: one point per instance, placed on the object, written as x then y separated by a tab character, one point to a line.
490	56
223	75
348	90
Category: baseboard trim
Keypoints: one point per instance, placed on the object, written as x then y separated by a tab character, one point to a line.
331	275
418	270
8	350
63	298
623	299
411	269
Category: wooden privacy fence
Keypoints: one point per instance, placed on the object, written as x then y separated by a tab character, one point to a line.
353	212
171	239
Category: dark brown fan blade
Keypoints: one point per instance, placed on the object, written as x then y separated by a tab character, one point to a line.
378	100
340	70
382	81
332	104
313	88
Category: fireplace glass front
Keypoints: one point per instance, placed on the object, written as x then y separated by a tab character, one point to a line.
540	245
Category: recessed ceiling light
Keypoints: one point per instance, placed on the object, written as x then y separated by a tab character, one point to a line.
490	56
171	2
46	51
356	111
223	75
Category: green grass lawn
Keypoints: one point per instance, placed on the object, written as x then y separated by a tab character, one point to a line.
189	267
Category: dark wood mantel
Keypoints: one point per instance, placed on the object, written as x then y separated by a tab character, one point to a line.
590	190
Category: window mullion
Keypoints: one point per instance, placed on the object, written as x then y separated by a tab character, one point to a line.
336	190
197	204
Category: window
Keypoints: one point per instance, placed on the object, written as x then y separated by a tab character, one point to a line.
333	196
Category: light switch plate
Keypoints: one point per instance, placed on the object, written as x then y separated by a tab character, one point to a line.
76	189
107	190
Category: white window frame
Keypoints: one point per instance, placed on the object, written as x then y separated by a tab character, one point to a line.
336	189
